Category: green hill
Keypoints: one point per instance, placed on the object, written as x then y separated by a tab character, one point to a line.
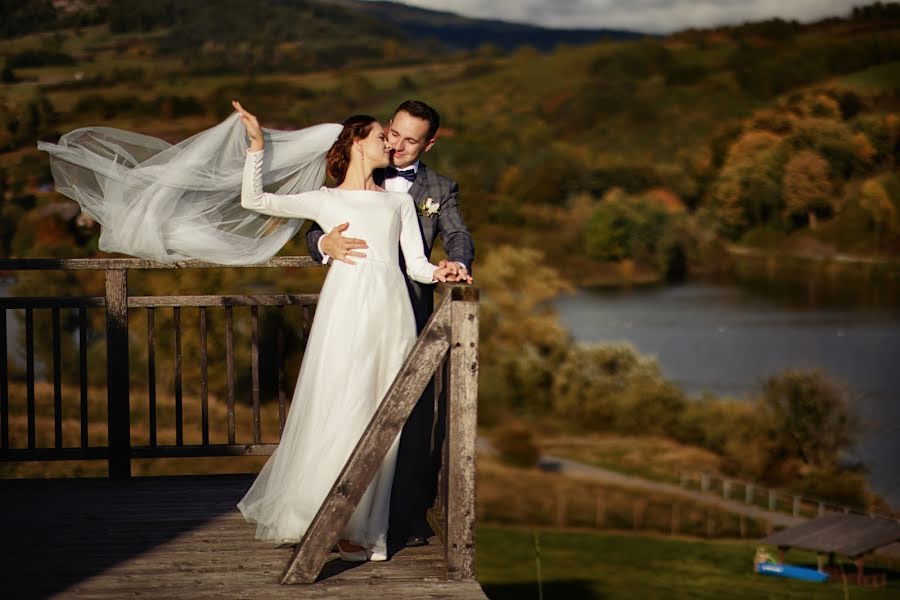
655	151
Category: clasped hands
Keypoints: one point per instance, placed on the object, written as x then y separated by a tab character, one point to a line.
341	248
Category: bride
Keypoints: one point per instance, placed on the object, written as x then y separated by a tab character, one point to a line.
168	203
339	385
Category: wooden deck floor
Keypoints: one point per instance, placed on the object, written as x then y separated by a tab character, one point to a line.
175	537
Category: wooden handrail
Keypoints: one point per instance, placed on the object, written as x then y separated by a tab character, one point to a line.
453	328
105	264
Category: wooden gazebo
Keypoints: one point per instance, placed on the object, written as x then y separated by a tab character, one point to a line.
854	536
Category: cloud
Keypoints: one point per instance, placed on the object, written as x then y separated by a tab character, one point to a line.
657	16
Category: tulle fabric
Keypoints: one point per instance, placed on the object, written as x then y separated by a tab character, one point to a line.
172	202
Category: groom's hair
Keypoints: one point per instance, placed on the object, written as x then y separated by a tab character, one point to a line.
420	110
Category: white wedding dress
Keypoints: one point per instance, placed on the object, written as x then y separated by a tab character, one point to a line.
362	332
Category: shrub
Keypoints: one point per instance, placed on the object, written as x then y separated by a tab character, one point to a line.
516	444
810	415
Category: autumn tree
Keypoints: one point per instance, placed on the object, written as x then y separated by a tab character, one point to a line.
521	336
747	191
882	214
807	187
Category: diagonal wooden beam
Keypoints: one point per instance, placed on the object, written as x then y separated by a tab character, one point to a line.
324	531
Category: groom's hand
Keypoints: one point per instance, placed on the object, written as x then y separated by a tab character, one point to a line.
455	271
339	247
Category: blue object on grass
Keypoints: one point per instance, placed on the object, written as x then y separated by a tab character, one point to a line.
791	571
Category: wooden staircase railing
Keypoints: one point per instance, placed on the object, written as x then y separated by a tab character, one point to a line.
453	329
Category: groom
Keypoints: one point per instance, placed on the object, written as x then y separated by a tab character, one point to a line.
411	133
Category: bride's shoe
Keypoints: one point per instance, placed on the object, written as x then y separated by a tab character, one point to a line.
353	553
376	556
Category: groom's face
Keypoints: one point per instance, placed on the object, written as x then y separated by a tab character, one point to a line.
408	138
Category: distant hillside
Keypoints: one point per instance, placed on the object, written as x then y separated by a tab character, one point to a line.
464	32
330	29
766	134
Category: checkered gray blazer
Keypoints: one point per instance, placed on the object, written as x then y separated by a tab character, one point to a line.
449	224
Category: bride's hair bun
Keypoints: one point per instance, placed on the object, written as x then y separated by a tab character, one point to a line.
338	158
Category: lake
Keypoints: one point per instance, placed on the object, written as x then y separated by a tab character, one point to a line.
726	339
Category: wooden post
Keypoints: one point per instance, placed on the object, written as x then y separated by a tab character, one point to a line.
462	419
638	508
726	489
796	506
704	483
4	384
676	518
600	511
562	507
748	493
322	534
119	417
773	499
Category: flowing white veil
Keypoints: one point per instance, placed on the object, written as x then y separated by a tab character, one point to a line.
169	203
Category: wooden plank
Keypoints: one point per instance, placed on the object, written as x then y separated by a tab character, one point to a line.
105	264
83	374
83	453
53	302
151	372
229	365
29	370
203	450
57	379
179	408
4	384
254	371
119	418
371	449
462	409
225	300
20	302
142	539
204	380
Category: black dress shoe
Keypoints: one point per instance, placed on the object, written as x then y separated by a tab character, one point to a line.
416	540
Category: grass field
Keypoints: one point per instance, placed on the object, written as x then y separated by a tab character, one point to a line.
592	566
651	457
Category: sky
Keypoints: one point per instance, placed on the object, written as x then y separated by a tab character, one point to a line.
652	16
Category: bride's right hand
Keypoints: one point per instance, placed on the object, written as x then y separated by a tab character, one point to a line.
441	274
253	129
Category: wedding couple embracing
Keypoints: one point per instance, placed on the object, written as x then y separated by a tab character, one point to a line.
174	202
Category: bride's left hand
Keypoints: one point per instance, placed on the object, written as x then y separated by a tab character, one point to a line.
254	131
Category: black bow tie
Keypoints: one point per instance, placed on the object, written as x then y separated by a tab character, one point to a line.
407	174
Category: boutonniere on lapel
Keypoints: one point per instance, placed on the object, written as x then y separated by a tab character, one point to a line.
429	208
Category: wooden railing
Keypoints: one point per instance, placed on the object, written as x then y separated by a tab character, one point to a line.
770	499
447	349
119	450
449	338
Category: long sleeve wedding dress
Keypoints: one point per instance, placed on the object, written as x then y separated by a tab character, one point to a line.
362	332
